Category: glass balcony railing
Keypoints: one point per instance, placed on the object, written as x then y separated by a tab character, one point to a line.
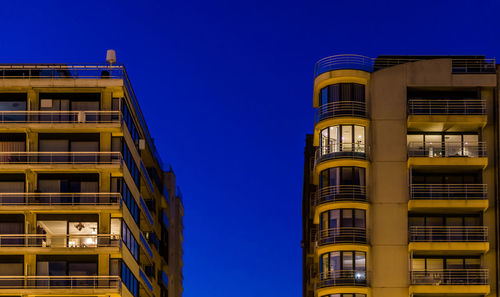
450	277
60	282
342	278
447	149
448	192
448	234
60	158
341	109
59	117
341	150
342	235
446	107
340	193
60	199
60	241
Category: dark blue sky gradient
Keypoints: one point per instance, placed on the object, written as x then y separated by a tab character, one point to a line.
226	89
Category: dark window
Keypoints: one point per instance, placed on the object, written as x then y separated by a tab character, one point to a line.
342	92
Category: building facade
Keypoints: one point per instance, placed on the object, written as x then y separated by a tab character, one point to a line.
86	206
401	178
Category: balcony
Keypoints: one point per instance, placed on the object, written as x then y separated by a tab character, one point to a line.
465	155
340	151
46	284
70	201
51	159
340	193
350	278
450	282
59	241
448	239
60	117
350	235
341	109
442	197
447	115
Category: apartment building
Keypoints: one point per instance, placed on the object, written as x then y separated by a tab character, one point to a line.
401	178
86	206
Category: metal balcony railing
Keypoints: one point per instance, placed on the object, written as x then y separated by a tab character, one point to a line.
448	191
60	157
60	241
341	109
60	282
61	71
447	149
446	107
342	278
341	150
448	234
473	65
348	61
59	199
342	235
450	277
340	193
51	117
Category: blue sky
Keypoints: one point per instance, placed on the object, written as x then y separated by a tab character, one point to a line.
226	89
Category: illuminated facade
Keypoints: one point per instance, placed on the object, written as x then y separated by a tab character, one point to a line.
86	207
400	178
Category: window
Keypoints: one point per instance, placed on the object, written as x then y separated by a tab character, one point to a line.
130	241
342	183
344	260
342	92
343	138
129	121
346	217
130	281
445	145
119	185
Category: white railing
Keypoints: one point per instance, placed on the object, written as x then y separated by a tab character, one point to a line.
446	149
340	193
446	107
341	109
448	191
44	117
342	278
60	241
60	282
341	150
342	235
60	157
450	277
448	234
69	199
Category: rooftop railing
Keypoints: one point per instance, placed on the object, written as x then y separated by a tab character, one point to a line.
342	235
446	107
60	241
339	193
448	191
60	282
50	117
60	71
460	64
60	157
446	149
342	278
341	109
450	277
60	199
448	234
341	150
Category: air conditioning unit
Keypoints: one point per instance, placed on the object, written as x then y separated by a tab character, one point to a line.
142	144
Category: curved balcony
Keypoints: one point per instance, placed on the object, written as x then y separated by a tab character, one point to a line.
60	282
340	193
341	150
448	234
341	109
342	235
348	61
342	278
59	199
450	277
59	241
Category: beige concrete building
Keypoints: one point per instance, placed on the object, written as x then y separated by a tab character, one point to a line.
400	178
86	205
